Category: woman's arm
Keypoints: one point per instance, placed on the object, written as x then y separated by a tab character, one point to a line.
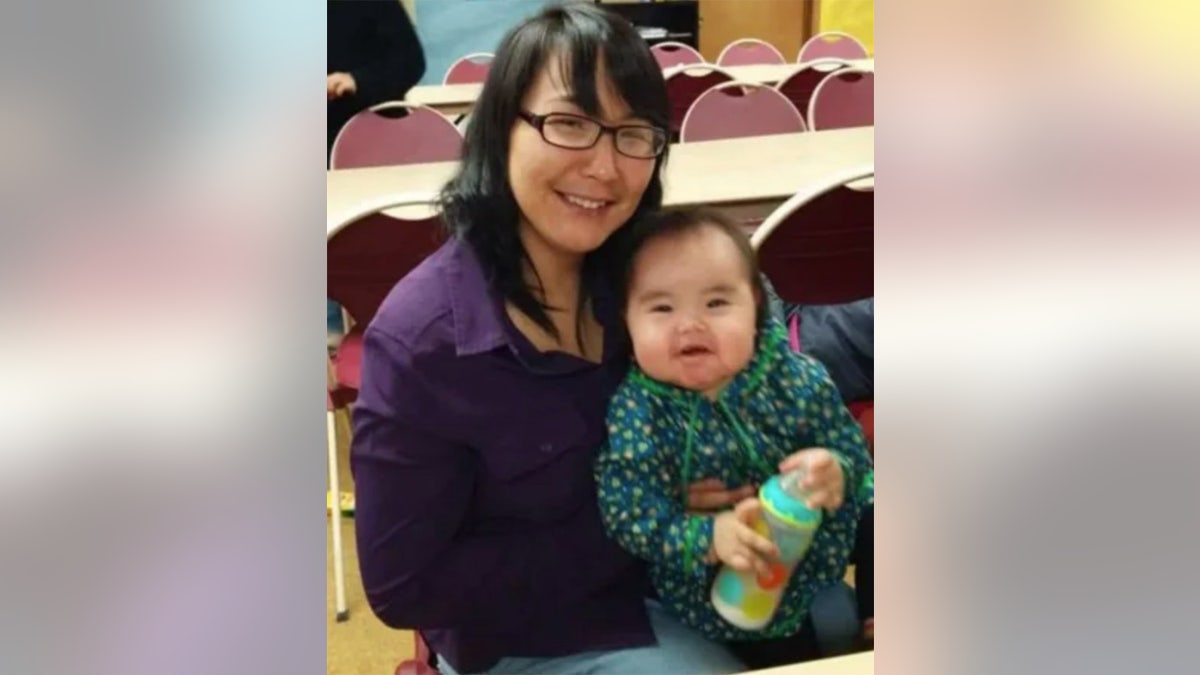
421	564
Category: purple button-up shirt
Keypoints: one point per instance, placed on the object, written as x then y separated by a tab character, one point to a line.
476	513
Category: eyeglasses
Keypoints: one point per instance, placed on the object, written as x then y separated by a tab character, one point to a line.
576	132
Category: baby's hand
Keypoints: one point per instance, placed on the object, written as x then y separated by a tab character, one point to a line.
822	477
735	542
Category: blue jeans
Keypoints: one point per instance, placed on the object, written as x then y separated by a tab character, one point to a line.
333	317
679	650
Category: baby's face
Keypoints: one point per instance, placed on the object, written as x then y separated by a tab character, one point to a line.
691	310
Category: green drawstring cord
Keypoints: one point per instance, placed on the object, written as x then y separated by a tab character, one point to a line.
687	449
746	441
693	521
744	438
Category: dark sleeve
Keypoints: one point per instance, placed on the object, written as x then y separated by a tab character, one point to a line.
399	62
864	564
842	338
422	565
776	308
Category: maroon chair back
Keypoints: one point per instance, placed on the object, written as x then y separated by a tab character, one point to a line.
395	133
832	45
684	86
365	260
671	54
823	252
737	109
749	52
470	69
844	98
800	85
368	257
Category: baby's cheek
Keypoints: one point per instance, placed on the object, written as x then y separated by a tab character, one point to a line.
652	356
740	346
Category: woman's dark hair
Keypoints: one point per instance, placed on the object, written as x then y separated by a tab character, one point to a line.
676	221
478	203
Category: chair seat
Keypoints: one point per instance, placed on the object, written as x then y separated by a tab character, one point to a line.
423	661
415	667
347	360
864	412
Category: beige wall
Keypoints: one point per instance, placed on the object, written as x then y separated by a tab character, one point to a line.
411	6
780	22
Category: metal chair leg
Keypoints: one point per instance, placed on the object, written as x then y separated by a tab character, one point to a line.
339	571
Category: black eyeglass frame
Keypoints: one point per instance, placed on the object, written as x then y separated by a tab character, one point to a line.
539	122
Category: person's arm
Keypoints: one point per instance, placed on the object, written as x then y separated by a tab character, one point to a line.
640	498
402	60
842	338
421	565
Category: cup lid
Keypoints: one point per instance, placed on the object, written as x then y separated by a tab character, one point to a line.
783	505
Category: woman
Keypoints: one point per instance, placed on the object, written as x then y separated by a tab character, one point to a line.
487	371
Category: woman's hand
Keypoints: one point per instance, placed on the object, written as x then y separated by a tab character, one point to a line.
823	477
711	495
738	545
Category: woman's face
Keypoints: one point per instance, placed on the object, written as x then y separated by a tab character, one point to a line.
572	200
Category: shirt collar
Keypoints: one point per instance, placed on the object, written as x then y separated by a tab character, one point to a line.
476	309
478	326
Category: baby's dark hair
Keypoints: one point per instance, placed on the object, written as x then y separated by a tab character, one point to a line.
679	220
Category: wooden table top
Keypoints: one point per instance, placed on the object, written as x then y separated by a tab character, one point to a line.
455	99
732	171
862	663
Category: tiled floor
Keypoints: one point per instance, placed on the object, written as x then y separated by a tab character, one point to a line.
361	645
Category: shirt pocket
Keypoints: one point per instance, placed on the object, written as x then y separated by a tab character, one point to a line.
540	466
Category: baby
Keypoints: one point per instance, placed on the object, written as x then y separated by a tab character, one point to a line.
717	393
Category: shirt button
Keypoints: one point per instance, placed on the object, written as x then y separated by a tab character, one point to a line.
546	447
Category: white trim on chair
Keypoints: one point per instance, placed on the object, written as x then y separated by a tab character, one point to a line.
751	41
388	105
377	203
821	63
672	43
833	180
816	64
414	106
829	33
728	85
468	57
706	66
812	103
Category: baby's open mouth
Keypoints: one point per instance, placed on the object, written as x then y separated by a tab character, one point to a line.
694	350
